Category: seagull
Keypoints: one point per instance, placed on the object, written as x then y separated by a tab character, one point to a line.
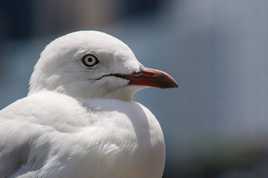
79	118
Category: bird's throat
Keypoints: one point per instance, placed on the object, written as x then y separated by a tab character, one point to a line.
124	93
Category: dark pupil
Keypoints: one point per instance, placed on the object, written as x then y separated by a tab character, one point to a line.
89	60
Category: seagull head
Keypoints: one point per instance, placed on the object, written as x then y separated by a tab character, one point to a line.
92	64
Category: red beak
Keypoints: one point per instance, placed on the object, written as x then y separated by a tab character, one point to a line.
152	78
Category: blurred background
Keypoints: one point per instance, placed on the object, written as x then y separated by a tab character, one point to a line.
216	123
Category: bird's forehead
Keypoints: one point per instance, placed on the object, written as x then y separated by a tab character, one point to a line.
92	40
89	42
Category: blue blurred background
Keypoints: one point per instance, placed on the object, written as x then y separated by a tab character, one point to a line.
216	123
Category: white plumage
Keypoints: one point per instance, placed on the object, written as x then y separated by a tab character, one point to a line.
78	120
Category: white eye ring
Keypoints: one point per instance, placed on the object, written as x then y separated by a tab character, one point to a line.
89	60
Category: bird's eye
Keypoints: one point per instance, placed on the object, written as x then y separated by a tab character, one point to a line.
90	60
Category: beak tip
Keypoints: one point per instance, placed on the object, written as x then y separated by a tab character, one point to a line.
171	84
175	85
168	81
